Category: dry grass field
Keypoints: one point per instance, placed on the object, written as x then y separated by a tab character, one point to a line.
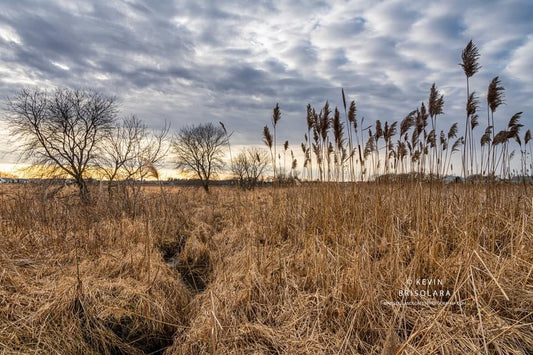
312	269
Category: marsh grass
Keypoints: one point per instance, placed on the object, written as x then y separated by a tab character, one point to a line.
295	270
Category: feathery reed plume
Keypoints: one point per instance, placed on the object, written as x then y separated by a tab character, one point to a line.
513	133
469	56
435	103
305	152
523	155
442	138
485	138
311	122
369	146
499	138
514	121
316	146
328	157
503	137
485	141
401	153
343	99
276	116
495	97
293	167
452	133
457	144
338	130
268	140
323	128
352	118
377	136
267	137
472	106
432	138
227	139
349	117
474	122
379	131
338	135
420	127
325	121
527	140
388	132
442	152
285	148
405	125
391	131
309	119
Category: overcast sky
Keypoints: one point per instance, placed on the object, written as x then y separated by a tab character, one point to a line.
231	61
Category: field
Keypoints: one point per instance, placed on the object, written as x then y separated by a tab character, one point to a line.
370	268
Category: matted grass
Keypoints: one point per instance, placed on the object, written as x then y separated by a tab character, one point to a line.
301	270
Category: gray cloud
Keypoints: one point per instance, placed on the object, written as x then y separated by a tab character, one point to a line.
191	61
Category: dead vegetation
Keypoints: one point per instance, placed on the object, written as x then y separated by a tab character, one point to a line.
302	270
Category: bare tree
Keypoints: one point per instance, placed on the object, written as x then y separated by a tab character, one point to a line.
199	150
249	166
149	151
62	130
132	152
120	149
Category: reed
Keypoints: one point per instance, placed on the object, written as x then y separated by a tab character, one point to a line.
415	146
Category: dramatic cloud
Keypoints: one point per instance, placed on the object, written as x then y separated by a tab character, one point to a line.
192	61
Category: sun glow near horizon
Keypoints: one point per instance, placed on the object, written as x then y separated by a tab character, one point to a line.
13	170
25	171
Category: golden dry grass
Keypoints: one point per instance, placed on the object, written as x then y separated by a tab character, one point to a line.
313	269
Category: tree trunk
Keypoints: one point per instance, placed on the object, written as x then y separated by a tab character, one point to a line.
84	190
